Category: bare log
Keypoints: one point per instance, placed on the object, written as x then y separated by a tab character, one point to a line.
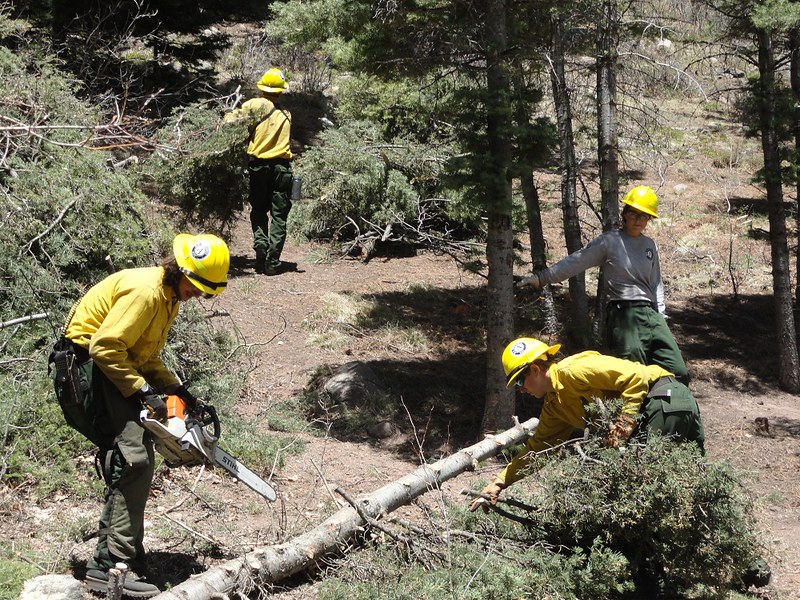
273	563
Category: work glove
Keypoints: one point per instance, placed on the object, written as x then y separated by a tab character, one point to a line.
621	429
493	491
530	281
189	399
152	402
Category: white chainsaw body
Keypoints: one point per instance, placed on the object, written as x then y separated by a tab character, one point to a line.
187	443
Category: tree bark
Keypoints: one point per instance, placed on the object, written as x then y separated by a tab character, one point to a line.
580	327
533	209
786	342
794	78
607	142
267	565
499	407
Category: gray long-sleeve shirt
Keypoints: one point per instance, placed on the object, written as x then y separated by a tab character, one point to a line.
630	266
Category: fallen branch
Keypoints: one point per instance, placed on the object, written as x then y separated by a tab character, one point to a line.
27	247
273	563
25	319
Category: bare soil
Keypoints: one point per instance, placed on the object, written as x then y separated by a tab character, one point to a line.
728	344
198	517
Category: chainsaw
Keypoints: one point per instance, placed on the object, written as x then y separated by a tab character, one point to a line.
191	438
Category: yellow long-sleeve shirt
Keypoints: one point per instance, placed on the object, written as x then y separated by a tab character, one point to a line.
123	322
577	381
271	137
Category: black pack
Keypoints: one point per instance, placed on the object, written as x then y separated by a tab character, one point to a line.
72	381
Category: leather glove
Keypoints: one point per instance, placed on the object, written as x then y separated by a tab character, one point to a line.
493	491
189	398
621	429
152	402
530	281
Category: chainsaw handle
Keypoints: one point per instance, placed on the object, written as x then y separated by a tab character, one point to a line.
207	415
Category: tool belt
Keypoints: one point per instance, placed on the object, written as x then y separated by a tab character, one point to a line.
623	304
252	161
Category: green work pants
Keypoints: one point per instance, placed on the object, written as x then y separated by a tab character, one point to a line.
640	333
270	203
671	410
129	463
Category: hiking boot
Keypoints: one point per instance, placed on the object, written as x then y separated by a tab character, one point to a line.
261	258
134	586
282	267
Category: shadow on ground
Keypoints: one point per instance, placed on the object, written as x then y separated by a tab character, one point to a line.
438	400
721	331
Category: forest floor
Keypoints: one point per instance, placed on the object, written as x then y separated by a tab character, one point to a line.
417	321
301	320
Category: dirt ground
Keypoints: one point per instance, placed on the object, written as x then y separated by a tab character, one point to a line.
727	343
284	319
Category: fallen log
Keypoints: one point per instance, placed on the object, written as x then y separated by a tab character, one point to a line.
273	563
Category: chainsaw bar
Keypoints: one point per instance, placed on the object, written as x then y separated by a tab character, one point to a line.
187	443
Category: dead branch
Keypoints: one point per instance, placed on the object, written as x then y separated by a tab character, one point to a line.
61	215
25	319
273	563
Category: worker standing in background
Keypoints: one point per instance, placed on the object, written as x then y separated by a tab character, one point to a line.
270	169
636	328
112	347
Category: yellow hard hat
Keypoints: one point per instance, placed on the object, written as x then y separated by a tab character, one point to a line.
204	259
643	199
521	353
272	82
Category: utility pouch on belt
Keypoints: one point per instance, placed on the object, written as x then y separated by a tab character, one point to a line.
67	375
674	397
73	389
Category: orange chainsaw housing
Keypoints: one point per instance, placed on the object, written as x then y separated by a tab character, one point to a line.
176	407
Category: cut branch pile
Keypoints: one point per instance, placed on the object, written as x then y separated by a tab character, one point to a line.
270	564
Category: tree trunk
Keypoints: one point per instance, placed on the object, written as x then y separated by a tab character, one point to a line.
499	407
270	564
607	143
794	78
533	210
786	342
580	327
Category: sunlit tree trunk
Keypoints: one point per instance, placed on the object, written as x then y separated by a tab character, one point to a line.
607	143
786	340
580	327
499	250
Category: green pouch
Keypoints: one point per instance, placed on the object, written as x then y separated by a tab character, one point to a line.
674	396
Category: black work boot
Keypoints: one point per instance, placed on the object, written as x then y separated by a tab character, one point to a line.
134	586
261	259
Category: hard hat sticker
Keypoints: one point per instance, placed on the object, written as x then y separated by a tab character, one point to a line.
200	250
519	348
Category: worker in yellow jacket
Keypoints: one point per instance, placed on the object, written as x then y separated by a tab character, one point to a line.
114	337
270	168
653	400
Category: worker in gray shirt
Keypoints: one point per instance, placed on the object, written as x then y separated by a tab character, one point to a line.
635	324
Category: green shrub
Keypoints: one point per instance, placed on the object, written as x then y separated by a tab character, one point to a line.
655	521
361	183
683	523
13	575
204	172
